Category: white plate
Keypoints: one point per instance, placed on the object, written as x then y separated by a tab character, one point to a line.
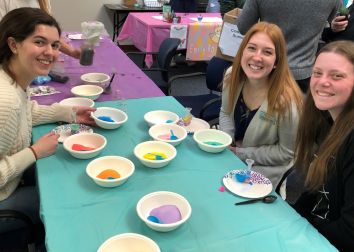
196	124
65	131
77	36
260	187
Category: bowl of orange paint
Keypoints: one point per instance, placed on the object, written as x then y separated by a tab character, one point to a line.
110	171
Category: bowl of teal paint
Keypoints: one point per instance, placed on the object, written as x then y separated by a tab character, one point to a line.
109	118
212	140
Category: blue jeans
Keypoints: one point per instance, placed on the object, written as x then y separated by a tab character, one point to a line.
24	199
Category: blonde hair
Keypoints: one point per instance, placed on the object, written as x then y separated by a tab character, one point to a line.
44	5
316	127
283	88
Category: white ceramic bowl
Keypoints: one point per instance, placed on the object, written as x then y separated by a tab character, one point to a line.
129	242
100	79
88	140
162	132
160	117
212	140
122	165
157	199
155	146
88	91
118	116
77	101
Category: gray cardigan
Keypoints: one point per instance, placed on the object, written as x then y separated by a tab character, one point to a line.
302	22
269	140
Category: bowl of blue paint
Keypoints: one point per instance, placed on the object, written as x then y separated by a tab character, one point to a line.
212	140
109	118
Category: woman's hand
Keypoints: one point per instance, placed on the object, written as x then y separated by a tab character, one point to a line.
83	115
233	149
339	24
46	145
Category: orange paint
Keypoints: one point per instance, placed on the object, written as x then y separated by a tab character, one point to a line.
108	174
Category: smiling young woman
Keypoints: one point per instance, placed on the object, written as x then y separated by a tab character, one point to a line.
325	146
29	46
261	102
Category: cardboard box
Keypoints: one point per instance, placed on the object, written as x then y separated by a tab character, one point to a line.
229	17
129	2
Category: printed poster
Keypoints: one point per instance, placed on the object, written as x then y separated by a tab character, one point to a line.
202	40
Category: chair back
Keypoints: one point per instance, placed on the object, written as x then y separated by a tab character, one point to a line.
215	73
167	50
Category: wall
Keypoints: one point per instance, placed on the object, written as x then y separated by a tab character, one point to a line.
70	13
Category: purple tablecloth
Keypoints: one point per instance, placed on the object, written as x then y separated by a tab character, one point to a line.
108	58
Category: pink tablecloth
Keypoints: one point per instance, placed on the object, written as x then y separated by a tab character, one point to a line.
147	33
108	58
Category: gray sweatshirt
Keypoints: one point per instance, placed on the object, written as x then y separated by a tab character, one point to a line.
302	22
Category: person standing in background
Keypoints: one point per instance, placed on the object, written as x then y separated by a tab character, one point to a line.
8	5
183	6
342	26
302	23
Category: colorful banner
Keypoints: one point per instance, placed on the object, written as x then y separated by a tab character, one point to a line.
202	40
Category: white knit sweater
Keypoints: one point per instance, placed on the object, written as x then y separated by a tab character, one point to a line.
17	115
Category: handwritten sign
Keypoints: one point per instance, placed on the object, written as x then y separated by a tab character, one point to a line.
179	31
230	39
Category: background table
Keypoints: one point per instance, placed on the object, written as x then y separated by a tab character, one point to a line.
79	215
129	79
147	33
120	12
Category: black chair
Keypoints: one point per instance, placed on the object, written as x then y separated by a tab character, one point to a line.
205	105
159	72
23	234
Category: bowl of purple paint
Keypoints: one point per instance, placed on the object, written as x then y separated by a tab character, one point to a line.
109	118
163	211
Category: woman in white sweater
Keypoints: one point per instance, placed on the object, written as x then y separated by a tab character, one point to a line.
261	102
29	46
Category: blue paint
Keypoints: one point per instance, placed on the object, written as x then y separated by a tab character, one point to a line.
105	118
213	143
153	219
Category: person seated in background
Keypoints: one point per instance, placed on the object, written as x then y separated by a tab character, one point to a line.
325	146
228	5
213	6
29	47
8	5
183	6
261	102
342	27
300	24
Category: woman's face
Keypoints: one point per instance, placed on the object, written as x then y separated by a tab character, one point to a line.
258	57
37	53
332	82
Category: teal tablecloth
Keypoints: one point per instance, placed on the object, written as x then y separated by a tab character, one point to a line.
79	215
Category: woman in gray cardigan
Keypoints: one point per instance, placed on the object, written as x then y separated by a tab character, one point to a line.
261	102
